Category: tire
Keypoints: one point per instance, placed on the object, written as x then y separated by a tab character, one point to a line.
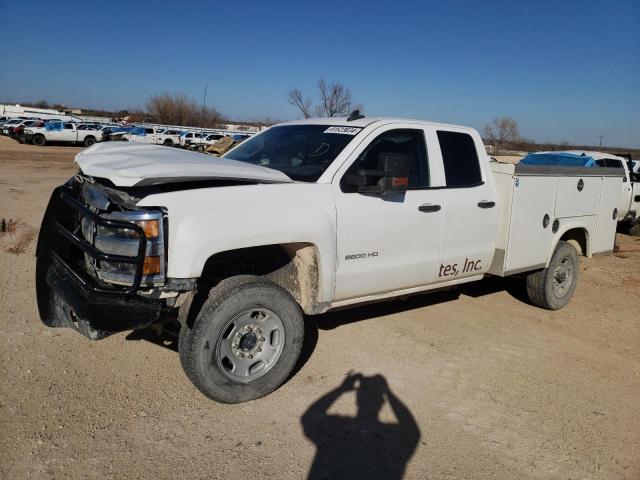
168	142
21	139
553	287
89	141
245	341
39	140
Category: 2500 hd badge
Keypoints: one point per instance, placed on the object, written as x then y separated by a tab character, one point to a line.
358	256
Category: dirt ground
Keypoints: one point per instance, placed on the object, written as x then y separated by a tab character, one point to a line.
473	383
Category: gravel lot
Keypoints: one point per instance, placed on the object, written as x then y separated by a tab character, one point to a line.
473	383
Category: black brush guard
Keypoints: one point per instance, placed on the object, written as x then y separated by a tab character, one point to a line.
68	296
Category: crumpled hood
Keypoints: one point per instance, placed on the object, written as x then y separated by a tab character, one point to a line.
126	164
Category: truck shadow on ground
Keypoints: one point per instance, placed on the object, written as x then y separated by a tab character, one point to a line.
336	318
167	335
361	446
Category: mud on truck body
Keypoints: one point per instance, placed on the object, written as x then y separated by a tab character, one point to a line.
302	218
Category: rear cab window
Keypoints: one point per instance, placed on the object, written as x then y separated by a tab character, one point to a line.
460	159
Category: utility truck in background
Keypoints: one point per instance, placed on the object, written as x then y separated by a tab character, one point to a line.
305	217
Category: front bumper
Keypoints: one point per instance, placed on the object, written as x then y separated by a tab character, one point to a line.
68	294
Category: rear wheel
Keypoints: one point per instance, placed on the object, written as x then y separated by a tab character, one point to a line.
553	287
245	341
39	140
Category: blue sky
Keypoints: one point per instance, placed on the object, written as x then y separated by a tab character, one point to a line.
566	70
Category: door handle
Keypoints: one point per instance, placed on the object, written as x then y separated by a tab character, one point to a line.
427	207
486	204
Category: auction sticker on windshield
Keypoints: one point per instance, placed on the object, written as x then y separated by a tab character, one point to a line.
343	130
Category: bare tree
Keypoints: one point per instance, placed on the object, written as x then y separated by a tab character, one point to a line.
501	131
296	99
335	100
178	109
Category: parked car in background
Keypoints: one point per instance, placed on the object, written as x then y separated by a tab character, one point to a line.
168	137
142	135
628	208
188	137
114	133
14	130
66	132
18	131
203	142
12	122
240	137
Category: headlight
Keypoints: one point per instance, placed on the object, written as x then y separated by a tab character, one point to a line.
123	241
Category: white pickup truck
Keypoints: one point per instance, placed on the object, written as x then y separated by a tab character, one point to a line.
168	137
306	216
629	206
65	132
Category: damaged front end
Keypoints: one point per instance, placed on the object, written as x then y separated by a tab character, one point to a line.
100	261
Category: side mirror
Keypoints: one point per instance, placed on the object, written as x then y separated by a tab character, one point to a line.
391	176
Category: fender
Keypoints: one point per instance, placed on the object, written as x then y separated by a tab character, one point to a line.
586	224
204	222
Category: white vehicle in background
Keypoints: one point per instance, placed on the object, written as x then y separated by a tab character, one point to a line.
306	216
629	206
147	135
64	132
188	137
168	137
13	122
203	142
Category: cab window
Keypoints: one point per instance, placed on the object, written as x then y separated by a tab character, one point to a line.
406	141
460	158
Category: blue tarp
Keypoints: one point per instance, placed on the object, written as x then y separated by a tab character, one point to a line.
568	159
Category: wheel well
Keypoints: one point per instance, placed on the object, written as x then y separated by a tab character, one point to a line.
293	266
578	238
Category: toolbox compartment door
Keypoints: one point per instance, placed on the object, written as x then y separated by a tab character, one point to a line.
577	196
529	238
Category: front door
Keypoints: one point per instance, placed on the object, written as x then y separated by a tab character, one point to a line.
387	243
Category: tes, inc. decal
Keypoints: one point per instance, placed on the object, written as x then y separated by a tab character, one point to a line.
453	271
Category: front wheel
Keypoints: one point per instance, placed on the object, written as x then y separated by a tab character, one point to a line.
89	141
245	341
39	140
553	287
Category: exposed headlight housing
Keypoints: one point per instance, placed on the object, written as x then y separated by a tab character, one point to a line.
118	241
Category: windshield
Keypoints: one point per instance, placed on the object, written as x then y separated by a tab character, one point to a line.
302	152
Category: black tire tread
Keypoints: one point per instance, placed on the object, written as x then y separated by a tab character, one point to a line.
538	282
225	290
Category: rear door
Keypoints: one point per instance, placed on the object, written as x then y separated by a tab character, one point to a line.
55	131
392	242
150	135
469	204
69	133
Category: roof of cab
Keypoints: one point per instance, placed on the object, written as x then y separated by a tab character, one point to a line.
363	122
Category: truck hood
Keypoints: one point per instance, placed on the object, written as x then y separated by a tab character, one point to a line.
126	165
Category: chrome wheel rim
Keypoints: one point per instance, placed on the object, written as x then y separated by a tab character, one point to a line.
250	344
563	277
